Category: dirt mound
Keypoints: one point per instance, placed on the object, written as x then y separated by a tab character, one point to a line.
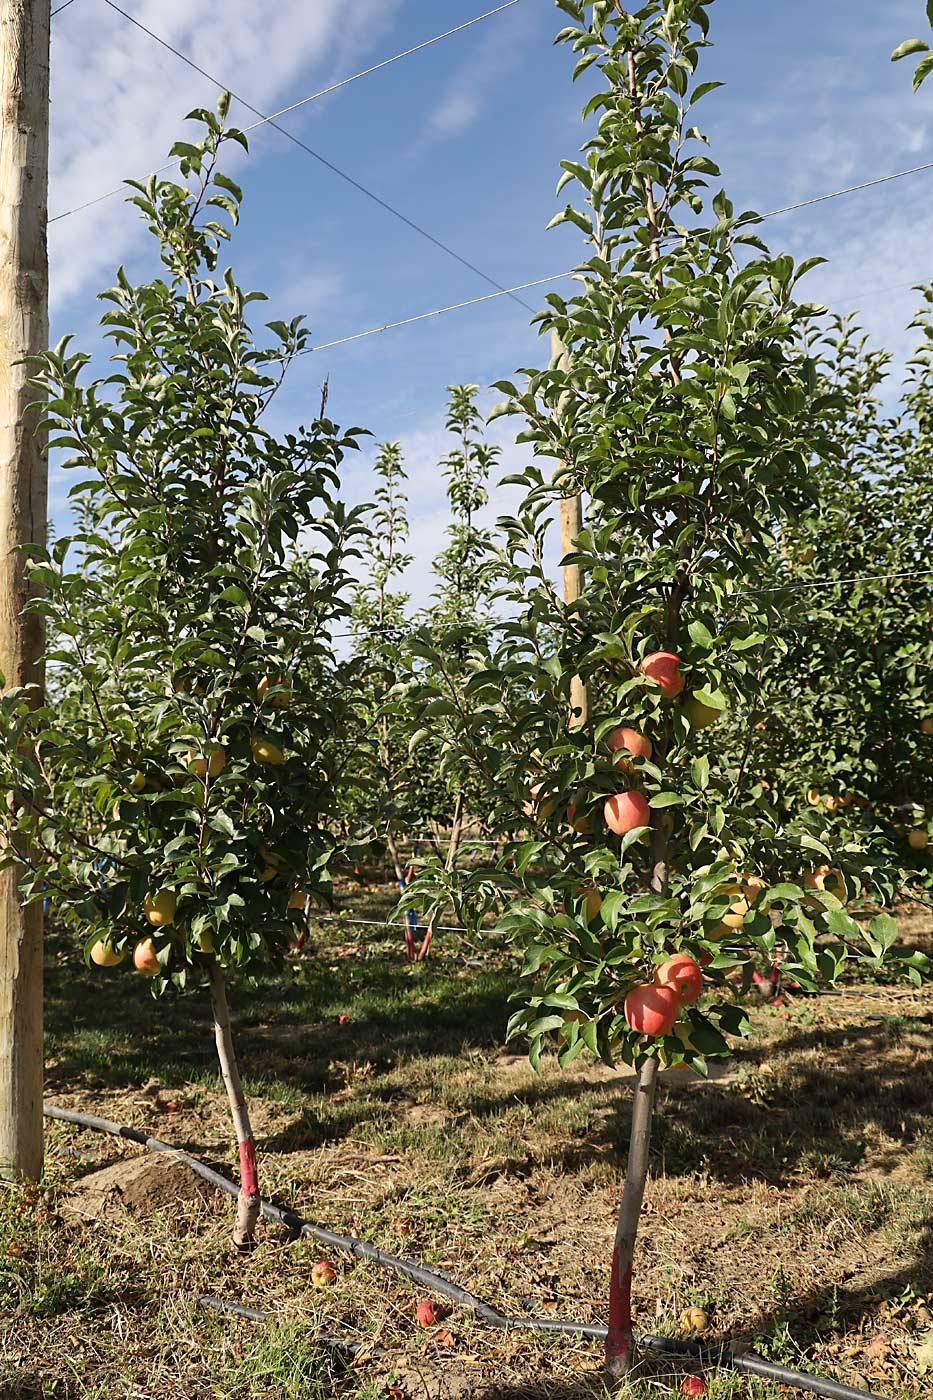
138	1185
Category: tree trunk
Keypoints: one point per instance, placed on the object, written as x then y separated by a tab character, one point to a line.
24	142
456	828
410	920
619	1341
249	1201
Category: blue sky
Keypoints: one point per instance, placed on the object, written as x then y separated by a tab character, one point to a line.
465	138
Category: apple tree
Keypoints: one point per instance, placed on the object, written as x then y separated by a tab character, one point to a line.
174	793
464	573
388	799
847	733
689	410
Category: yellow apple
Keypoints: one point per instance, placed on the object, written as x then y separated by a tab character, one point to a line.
104	954
700	715
265	751
283	699
160	909
592	901
736	915
212	764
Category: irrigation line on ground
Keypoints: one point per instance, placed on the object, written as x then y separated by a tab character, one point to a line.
442	1283
334	1340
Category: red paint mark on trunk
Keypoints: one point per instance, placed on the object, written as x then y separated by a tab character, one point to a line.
249	1177
619	1332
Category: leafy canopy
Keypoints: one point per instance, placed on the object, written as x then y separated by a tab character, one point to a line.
182	756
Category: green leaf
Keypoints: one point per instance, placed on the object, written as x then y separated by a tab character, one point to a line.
884	930
908	47
699	771
700	635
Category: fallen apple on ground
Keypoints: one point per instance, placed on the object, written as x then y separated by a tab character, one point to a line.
426	1313
694	1320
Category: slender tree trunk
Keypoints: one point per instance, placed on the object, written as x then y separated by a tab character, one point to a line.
453	847
249	1202
24	144
619	1339
400	878
456	827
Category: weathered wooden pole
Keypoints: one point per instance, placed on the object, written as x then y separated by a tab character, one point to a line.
571	523
24	163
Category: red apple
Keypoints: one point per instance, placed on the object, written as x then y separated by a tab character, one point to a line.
664	668
323	1273
693	1385
540	807
628	744
652	1010
626	810
683	974
426	1313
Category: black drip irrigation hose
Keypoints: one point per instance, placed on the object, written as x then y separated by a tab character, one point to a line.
327	1339
441	1282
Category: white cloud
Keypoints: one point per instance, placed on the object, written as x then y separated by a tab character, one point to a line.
499	49
118	99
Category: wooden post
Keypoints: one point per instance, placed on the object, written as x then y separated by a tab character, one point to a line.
571	523
24	145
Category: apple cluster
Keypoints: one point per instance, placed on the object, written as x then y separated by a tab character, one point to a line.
653	1007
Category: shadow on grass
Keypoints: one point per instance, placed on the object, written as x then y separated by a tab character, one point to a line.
813	1116
108	1030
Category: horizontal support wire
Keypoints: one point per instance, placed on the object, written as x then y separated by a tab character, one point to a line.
271	120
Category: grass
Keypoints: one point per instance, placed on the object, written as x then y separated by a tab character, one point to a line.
792	1197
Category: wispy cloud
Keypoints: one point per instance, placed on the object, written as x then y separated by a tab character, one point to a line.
118	100
497	52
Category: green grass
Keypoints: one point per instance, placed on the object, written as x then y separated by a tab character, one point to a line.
792	1199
